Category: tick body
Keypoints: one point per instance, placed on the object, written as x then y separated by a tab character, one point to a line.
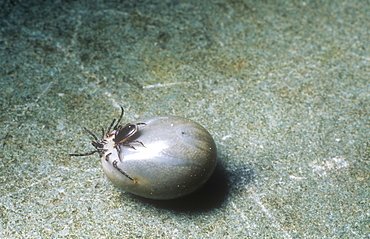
162	157
125	132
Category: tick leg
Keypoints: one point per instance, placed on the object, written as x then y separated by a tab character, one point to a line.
107	157
125	174
119	153
137	141
127	144
119	119
91	133
85	154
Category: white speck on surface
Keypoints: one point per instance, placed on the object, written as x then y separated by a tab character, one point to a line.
296	178
226	137
159	85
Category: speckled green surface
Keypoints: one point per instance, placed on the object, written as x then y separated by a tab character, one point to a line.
283	86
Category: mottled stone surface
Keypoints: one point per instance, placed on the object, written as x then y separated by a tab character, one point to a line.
282	86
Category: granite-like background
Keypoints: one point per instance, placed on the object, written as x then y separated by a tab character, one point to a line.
283	86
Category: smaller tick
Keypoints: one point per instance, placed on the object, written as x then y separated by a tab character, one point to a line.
121	135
